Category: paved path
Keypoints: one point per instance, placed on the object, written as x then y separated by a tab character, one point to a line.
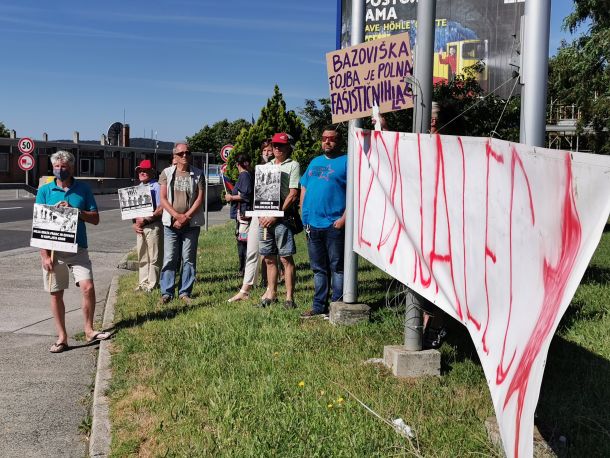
43	396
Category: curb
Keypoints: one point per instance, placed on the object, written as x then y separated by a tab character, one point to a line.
99	441
128	265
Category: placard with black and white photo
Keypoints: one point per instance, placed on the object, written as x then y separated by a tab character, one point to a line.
267	181
135	202
54	228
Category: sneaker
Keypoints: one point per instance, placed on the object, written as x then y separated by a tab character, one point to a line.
165	299
434	337
186	299
290	304
312	314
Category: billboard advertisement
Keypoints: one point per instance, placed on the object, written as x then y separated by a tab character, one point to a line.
468	32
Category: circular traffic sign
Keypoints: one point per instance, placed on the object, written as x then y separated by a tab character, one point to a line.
26	162
223	168
225	151
26	145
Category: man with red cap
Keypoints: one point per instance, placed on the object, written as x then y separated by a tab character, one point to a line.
149	232
280	238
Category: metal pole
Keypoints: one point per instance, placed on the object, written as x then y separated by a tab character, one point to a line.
422	115
424	65
535	50
350	263
207	180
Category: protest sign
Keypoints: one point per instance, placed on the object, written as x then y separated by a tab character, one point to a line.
54	228
496	234
370	74
267	181
136	202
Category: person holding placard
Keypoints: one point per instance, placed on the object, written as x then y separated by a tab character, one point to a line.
66	191
279	238
149	231
182	192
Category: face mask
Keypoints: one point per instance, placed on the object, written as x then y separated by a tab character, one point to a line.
61	174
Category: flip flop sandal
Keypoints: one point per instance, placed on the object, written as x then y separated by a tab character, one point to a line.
103	335
59	347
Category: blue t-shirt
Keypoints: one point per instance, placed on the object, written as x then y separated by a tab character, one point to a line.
155	193
324	181
78	195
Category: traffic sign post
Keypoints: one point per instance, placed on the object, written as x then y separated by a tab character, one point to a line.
26	163
26	145
225	151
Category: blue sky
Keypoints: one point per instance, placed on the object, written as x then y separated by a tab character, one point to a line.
173	66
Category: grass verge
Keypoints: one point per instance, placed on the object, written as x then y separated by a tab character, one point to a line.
219	379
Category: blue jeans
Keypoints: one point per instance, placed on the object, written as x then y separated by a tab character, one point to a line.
179	243
325	248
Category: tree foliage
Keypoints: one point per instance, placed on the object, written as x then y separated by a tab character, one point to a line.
210	139
4	131
580	73
273	118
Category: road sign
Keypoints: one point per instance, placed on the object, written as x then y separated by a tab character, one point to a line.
225	151
223	168
26	145
26	162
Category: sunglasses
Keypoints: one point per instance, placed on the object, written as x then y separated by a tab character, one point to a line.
182	154
327	138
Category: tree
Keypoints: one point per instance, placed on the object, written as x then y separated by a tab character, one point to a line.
273	118
4	131
580	73
210	139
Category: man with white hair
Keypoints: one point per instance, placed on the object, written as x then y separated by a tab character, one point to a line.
66	191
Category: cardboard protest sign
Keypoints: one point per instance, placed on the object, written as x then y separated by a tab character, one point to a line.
370	74
267	181
54	228
136	202
496	234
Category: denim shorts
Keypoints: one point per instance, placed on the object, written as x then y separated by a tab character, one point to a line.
280	240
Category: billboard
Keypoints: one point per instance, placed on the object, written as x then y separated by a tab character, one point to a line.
467	32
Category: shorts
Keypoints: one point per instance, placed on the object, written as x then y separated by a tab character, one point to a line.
280	240
59	279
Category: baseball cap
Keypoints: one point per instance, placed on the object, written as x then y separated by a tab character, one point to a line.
281	137
145	164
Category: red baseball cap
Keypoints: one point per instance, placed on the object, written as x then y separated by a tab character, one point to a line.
281	137
145	165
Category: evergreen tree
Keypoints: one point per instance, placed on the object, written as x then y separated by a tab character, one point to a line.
4	131
273	118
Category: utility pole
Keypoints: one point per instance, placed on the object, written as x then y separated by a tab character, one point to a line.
534	70
350	265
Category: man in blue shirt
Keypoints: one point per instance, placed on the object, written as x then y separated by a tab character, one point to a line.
66	191
323	208
149	230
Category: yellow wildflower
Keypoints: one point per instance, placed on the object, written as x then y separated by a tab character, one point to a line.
330	406
301	384
340	400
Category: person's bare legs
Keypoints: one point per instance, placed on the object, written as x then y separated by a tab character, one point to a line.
271	263
58	309
88	304
289	279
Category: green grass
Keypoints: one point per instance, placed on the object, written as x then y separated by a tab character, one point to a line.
219	379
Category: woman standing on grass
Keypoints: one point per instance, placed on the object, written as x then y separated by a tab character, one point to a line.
241	202
252	256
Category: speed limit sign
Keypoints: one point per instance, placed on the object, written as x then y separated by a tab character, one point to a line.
26	145
26	162
225	151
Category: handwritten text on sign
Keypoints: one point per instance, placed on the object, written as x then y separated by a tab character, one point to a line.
496	234
370	74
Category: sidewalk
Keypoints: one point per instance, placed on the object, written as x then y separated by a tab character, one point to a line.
45	397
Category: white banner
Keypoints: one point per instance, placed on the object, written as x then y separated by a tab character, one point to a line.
496	234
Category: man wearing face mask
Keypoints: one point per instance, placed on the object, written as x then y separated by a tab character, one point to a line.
66	191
